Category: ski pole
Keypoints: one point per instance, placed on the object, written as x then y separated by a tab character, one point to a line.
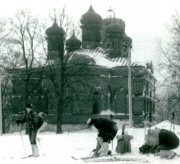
22	140
41	146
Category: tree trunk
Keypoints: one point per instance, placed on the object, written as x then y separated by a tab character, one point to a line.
59	117
60	105
26	99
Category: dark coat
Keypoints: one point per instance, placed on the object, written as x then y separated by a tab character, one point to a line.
168	138
107	128
31	119
39	122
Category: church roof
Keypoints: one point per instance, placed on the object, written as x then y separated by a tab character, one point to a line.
100	57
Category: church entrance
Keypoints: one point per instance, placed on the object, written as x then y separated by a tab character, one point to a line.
120	102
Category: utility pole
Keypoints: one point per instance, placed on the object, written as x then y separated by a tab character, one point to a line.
129	86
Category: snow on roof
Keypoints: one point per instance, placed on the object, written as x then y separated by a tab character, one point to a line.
101	59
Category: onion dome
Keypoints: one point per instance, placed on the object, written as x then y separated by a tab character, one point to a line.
73	43
116	26
91	17
54	30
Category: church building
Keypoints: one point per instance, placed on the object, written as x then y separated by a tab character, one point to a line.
97	76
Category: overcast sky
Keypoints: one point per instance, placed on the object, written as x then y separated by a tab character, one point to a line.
146	15
146	20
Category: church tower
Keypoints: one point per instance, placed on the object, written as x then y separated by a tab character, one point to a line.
73	43
114	37
55	38
91	29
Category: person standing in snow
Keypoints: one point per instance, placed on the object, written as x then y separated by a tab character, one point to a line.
33	123
172	120
107	130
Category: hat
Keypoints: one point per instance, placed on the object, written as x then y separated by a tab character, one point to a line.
90	121
29	106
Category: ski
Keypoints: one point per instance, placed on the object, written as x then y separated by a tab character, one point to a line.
25	157
116	159
88	157
83	158
110	159
30	156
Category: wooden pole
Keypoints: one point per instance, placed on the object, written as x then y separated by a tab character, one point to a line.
129	87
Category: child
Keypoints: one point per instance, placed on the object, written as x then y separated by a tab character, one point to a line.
33	123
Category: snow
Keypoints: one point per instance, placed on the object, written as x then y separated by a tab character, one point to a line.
101	59
108	112
58	148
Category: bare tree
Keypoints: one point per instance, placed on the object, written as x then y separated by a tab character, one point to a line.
66	22
25	47
69	79
3	37
171	63
5	85
69	82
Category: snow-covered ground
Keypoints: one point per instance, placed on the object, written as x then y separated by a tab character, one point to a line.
58	148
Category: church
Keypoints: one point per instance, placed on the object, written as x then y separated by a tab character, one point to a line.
96	74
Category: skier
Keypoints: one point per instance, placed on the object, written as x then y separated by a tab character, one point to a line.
107	130
167	139
33	123
160	142
41	122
